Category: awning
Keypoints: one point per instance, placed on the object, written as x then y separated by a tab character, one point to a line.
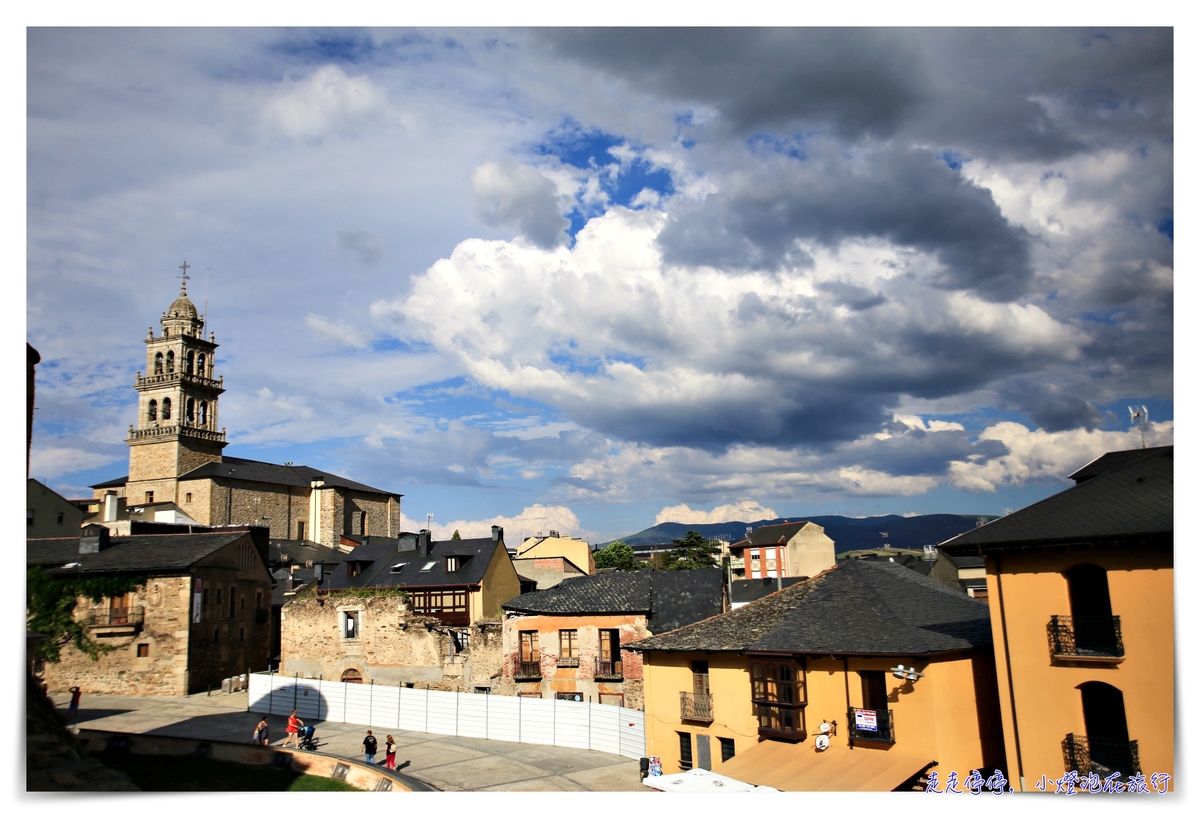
801	768
699	781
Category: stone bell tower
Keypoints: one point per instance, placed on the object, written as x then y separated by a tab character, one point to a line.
176	428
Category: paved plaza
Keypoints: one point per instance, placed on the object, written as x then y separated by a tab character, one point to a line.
449	763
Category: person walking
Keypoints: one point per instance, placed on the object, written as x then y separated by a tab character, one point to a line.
370	745
293	730
389	747
73	708
262	733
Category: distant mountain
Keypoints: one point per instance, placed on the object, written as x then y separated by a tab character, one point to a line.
847	533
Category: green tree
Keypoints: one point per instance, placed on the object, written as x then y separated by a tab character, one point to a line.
50	609
456	535
617	554
692	551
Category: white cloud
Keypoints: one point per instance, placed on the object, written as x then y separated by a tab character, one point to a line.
47	462
328	101
531	521
741	511
338	332
508	194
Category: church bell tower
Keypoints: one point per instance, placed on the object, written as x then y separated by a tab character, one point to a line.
176	428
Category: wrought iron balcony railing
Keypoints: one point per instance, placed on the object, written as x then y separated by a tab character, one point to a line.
695	706
871	725
528	670
117	617
1084	638
608	670
1103	756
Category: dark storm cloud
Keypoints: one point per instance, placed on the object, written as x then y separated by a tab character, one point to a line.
1050	408
910	198
916	452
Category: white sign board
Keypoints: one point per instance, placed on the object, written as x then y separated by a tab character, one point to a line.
865	720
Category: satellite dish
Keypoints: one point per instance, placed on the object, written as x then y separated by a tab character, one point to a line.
825	727
822	742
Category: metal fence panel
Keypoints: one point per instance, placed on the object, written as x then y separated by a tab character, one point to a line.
504	718
632	733
260	693
472	715
385	706
413	710
443	713
571	724
308	704
359	701
604	728
537	720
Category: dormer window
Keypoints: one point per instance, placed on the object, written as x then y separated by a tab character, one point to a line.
353	569
452	564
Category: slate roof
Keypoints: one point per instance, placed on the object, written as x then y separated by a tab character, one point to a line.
475	554
670	599
856	608
139	553
748	590
1132	500
303	551
118	482
1113	460
778	534
257	471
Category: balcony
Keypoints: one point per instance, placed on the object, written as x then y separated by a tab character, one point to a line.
567	661
871	725
1103	756
528	670
695	706
173	378
1086	638
151	433
608	670
116	618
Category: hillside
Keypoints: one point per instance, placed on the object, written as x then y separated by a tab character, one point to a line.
848	533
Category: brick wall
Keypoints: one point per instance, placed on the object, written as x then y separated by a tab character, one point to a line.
394	646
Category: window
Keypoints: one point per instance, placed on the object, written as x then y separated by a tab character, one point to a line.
152	412
187	498
429	565
1092	618
568	648
60	518
300	530
398	567
350	624
149	497
204	597
530	656
451	564
189	410
685	751
242	604
779	697
700	678
352	676
216	636
158	363
143	650
449	606
874	690
242	634
218	596
171	362
353	569
726	749
28	516
166	409
190	364
258	597
609	663
232	603
204	413
200	367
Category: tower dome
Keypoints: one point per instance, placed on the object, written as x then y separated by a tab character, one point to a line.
182	307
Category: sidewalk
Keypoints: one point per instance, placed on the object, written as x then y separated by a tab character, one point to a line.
449	763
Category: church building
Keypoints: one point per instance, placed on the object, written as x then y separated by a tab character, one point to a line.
175	455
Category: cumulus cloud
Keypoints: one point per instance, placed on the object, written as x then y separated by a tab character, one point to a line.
741	511
512	195
341	333
326	102
533	520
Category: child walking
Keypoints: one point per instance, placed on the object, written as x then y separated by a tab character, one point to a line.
390	748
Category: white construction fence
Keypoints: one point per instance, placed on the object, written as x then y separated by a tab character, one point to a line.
582	725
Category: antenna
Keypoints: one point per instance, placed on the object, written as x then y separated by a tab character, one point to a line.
429	522
884	535
206	278
1141	415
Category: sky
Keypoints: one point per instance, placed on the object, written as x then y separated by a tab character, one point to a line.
595	279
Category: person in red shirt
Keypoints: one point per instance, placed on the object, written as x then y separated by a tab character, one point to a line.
390	749
293	730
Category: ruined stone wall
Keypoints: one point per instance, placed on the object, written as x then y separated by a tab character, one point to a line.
166	602
581	679
393	645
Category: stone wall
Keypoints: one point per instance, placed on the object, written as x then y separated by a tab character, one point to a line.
229	642
383	514
240	502
393	646
165	632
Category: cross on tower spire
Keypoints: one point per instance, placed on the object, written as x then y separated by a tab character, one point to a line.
184	278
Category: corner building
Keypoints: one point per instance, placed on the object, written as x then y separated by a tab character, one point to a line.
176	445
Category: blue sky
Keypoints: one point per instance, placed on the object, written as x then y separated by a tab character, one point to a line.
591	280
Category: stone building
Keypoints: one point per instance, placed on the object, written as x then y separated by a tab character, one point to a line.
176	454
48	513
566	642
200	615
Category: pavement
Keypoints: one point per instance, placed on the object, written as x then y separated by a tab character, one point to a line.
448	763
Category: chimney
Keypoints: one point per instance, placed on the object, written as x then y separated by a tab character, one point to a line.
93	539
497	533
423	541
110	506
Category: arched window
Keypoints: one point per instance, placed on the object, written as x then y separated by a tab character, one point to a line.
166	415
1107	730
204	413
352	676
158	363
200	370
171	362
1091	610
190	411
152	411
189	365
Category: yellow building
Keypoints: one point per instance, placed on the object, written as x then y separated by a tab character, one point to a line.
1080	587
893	670
578	551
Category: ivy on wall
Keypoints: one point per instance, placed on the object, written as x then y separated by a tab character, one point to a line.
50	609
